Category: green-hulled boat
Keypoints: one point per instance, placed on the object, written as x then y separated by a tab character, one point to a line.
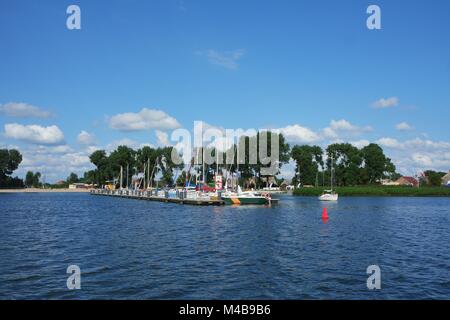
248	197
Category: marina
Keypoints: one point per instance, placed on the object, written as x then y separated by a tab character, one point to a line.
153	196
184	197
181	197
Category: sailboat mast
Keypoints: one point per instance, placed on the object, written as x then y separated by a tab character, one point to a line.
331	174
197	163
127	175
217	162
144	177
121	176
203	167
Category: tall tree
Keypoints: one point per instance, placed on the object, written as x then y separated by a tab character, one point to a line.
308	160
123	156
72	178
434	178
347	159
36	180
284	153
29	179
100	160
9	161
376	165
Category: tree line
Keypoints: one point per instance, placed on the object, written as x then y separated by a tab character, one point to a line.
131	162
352	166
170	173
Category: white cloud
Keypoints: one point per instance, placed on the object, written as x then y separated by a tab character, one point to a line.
386	103
125	142
415	155
86	138
226	59
389	142
339	128
299	134
414	144
162	138
143	120
23	110
34	133
403	126
287	170
422	159
360	143
54	162
90	149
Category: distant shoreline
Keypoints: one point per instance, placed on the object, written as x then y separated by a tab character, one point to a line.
379	191
35	190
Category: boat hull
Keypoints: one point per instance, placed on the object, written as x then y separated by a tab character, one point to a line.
245	201
329	197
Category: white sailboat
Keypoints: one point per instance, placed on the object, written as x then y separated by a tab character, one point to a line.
329	195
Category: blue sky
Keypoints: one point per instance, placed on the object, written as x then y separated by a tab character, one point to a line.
309	68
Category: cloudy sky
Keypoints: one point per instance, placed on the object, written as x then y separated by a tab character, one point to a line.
139	69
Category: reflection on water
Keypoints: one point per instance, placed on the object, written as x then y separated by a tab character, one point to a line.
137	249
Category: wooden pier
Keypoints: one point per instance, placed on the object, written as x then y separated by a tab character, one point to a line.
152	196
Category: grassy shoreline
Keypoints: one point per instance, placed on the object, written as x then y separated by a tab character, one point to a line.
387	191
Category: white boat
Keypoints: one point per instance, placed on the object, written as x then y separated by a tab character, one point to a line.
329	195
247	197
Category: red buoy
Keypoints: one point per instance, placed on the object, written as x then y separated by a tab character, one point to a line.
324	214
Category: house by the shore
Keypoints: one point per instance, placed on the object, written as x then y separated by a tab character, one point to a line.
407	181
388	182
80	186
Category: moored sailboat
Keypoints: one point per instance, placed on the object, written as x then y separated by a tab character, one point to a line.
329	195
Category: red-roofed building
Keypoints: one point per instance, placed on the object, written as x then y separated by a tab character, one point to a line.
407	181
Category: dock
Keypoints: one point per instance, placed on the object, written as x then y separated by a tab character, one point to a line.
152	196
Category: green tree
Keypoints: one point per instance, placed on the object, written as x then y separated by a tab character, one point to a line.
123	157
167	165
144	156
72	178
308	160
100	160
284	154
90	177
347	159
9	161
376	165
29	179
434	178
36	180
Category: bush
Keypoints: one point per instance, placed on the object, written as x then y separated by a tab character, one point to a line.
401	191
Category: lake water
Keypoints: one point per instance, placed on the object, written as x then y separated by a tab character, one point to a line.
149	250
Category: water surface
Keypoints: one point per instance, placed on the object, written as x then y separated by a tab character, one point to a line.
130	249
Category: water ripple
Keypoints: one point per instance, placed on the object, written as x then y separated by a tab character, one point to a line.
146	250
